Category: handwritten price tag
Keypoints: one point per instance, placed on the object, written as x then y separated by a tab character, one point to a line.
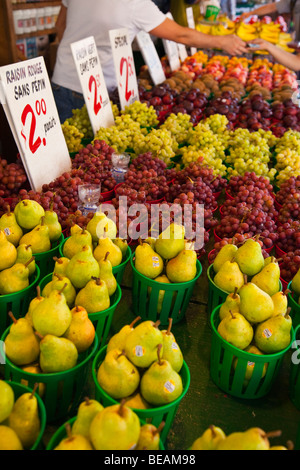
92	83
124	66
191	24
151	57
33	118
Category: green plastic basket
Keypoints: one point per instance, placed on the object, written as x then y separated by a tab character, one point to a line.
156	415
20	390
232	380
63	390
175	302
45	260
295	312
294	379
61	434
18	302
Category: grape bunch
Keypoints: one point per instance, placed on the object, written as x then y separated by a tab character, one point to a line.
194	190
290	186
73	136
12	177
290	265
80	119
121	135
289	236
179	125
249	180
199	170
158	141
290	210
148	181
141	113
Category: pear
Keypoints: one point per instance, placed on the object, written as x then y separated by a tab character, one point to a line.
162	278
151	241
160	384
250	258
268	279
226	253
7	400
149	437
274	334
118	340
38	238
8	252
34	369
82	267
251	364
147	261
209	440
116	427
24	418
171	351
289	446
52	315
14	279
9	225
229	277
118	377
28	214
57	354
76	242
231	304
183	267
24	254
106	245
81	330
9	440
136	401
58	283
60	265
33	303
53	224
122	244
252	439
171	241
295	283
87	410
100	225
236	330
73	441
255	304
280	301
21	344
106	274
94	296
75	228
141	344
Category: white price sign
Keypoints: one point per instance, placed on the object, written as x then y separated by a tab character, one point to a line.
172	51
92	83
191	24
124	66
31	111
151	57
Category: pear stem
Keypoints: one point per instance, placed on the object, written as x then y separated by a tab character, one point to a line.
57	260
156	324
273	434
287	291
28	246
39	335
62	289
170	326
212	428
158	354
231	314
122	404
106	256
35	387
38	291
290	445
235	293
97	280
159	429
245	278
87	401
12	317
28	262
43	220
288	312
68	430
134	322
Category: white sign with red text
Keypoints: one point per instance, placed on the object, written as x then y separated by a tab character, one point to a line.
31	111
124	66
92	83
191	24
151	57
176	52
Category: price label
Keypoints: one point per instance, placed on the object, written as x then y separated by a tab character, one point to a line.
191	24
151	57
171	50
124	66
31	111
92	83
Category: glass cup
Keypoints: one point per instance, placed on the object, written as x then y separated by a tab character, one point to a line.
89	195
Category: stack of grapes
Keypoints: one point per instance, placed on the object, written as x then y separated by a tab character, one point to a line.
12	178
288	238
290	186
290	210
290	265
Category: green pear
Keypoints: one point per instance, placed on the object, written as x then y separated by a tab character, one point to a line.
106	245
147	261
33	303
15	278
76	242
73	441
122	244
141	344
171	241
171	351
210	439
250	258
151	241
295	283
162	278
60	265
58	283
136	401
34	369
251	349
57	354
8	252
183	267
226	253
52	315
252	439
118	377
82	267
274	334
280	302
38	238
268	279
229	277
21	344
93	296
106	274
117	341
9	440
100	226
28	214
9	225
231	304
24	418
87	410
236	330
116	427
53	224
24	254
255	304
160	384
7	400
81	330
149	437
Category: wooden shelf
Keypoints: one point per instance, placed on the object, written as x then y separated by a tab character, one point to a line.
33	34
27	6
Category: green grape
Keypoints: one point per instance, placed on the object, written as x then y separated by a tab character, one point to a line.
115	109
81	120
179	125
73	136
145	115
158	141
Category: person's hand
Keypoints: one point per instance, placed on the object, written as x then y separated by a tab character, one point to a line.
259	44
245	15
233	45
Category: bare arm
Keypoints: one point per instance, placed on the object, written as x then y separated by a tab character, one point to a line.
60	24
190	37
260	11
285	58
